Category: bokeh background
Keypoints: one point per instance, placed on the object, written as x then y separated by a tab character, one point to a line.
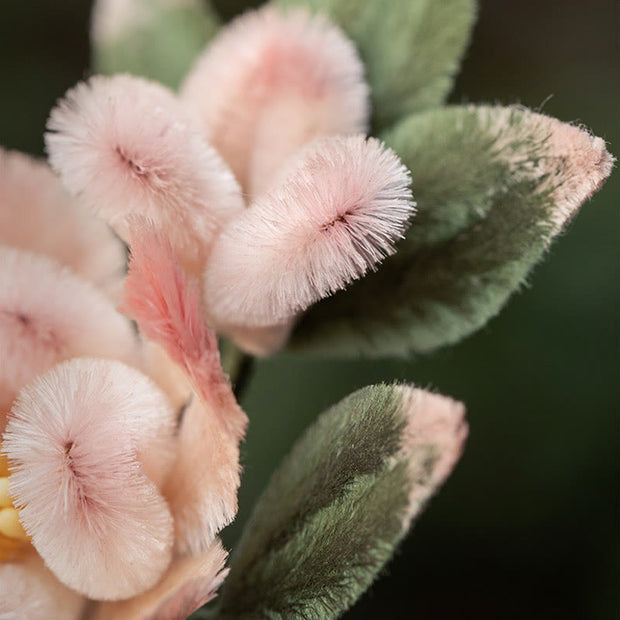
528	525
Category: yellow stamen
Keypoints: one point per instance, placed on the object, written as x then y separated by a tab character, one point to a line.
14	542
10	525
4	463
5	500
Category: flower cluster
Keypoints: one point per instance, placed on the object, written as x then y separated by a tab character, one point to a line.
245	199
119	466
259	172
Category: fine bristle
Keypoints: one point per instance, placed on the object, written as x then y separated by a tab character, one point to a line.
344	205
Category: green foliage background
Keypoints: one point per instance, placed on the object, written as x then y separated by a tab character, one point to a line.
528	524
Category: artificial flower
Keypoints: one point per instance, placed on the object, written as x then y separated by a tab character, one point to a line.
314	205
110	497
281	94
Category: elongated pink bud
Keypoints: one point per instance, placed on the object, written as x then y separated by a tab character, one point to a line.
166	304
74	441
126	146
270	83
344	205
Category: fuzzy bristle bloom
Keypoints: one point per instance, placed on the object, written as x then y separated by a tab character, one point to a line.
75	441
48	314
271	82
37	214
127	147
343	206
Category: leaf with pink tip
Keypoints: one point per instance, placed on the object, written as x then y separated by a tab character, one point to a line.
341	501
494	186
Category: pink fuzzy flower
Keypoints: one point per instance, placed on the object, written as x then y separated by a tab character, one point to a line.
127	147
109	495
282	97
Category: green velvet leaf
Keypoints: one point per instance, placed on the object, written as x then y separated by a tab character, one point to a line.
340	502
411	48
156	39
493	186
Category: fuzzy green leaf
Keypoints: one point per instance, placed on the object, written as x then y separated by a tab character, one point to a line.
156	39
411	48
334	511
493	186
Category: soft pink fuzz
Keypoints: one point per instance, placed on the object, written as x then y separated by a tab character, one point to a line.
48	314
202	487
190	582
433	441
270	83
345	203
166	305
39	215
29	591
127	146
564	160
583	164
74	440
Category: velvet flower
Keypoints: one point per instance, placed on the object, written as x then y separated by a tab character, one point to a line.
111	495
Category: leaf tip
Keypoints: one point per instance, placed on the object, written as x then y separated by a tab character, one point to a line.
433	440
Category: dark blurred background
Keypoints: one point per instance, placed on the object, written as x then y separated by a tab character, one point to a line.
528	525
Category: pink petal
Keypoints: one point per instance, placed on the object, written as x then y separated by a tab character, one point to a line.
339	214
38	214
48	314
271	82
74	441
126	146
189	583
30	591
433	440
202	488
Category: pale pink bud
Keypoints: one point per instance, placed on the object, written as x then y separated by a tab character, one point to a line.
433	441
74	441
39	215
126	146
340	212
48	314
189	583
270	83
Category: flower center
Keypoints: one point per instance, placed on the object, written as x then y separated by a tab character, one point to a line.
14	542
